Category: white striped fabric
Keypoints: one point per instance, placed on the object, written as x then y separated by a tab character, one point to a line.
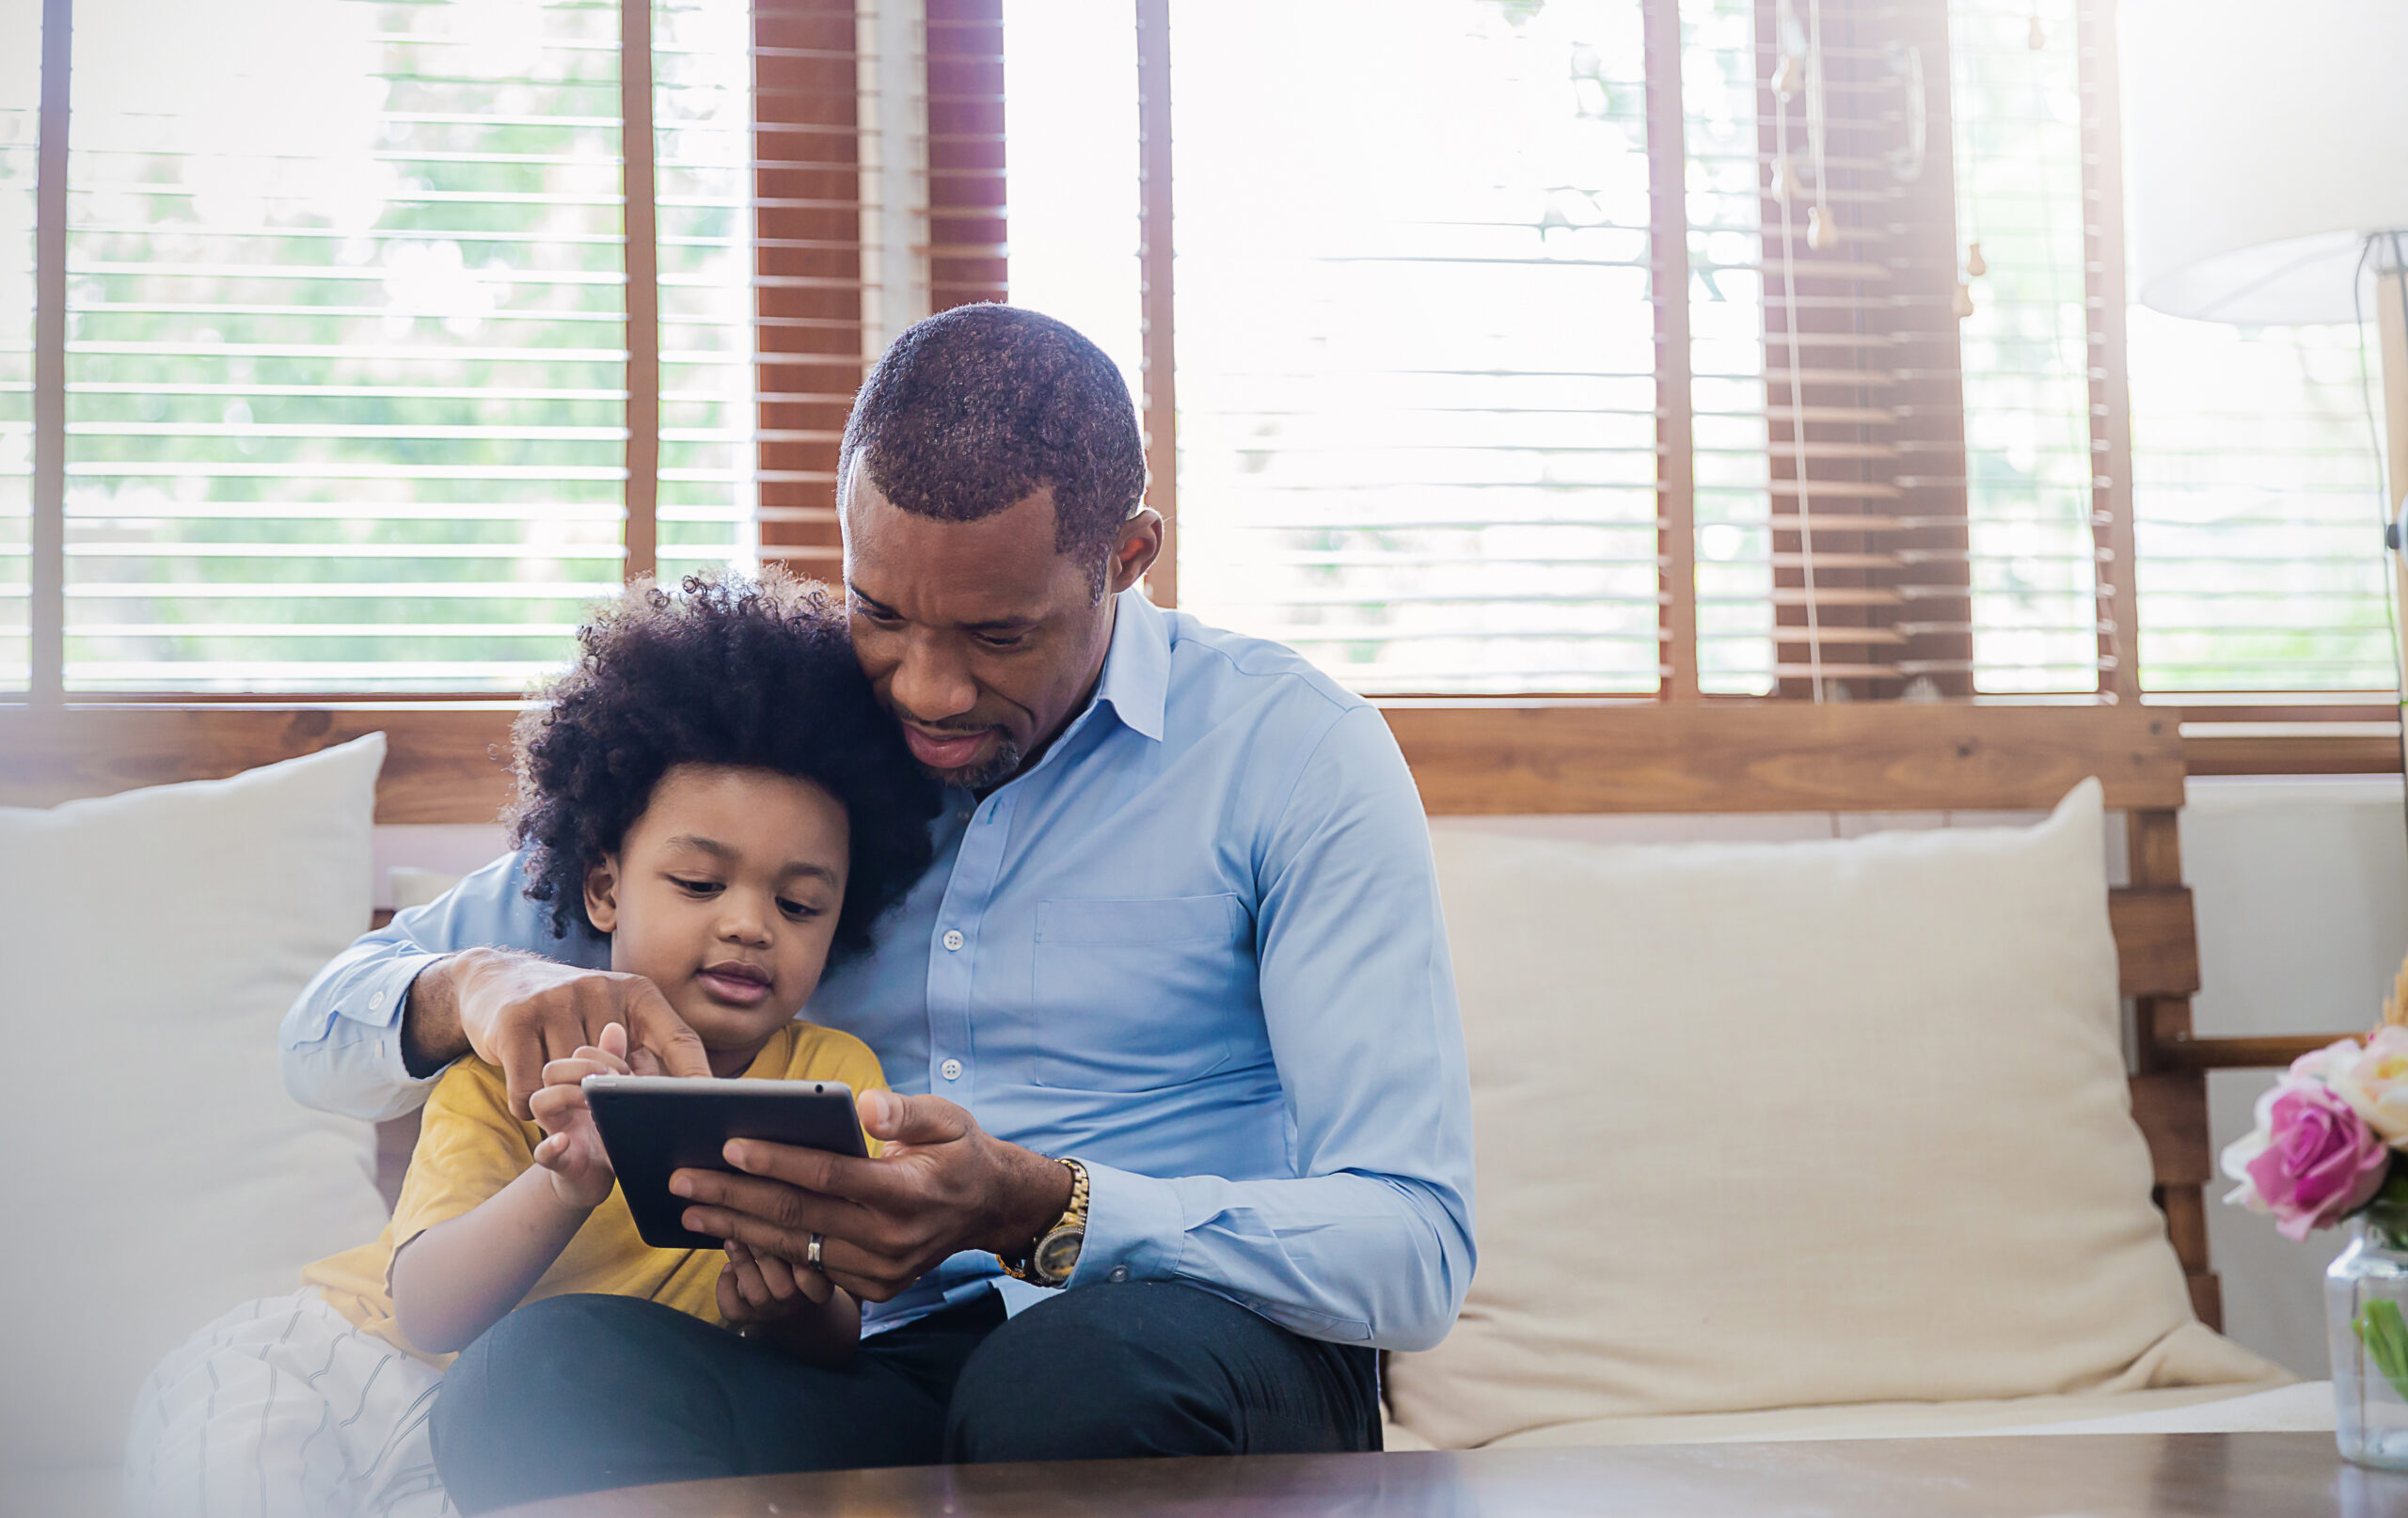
281	1409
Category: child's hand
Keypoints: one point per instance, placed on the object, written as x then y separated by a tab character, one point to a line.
572	1148
760	1289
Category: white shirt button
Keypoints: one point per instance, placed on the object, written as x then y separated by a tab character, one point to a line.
377	999
953	938
951	1068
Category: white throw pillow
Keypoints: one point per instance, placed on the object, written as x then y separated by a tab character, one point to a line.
1770	1124
155	1171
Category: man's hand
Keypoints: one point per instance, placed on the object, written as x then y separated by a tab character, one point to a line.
943	1184
521	1013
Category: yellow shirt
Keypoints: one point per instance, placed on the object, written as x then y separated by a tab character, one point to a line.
469	1146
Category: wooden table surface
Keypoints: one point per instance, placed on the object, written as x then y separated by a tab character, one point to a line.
2095	1475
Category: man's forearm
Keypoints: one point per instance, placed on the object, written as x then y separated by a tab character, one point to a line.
1384	1260
431	1033
358	1040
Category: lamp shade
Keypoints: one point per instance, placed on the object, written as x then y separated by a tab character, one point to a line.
2262	143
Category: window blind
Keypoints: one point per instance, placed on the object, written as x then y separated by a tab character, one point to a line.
2257	506
2036	555
1415	368
19	139
2251	480
1831	449
375	373
877	199
347	360
709	490
1529	527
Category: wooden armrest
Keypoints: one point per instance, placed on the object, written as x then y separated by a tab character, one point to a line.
2243	1053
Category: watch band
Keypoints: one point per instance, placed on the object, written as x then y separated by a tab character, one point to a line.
1021	1267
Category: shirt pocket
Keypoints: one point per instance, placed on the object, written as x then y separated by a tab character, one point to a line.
1136	993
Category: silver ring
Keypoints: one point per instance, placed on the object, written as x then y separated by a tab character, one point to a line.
811	1254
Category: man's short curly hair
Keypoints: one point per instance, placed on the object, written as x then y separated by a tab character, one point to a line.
758	673
980	407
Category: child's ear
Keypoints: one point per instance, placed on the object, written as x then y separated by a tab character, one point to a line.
602	895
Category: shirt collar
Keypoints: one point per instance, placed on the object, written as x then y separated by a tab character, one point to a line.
1136	668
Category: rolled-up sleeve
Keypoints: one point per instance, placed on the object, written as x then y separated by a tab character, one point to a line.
341	1042
1372	1241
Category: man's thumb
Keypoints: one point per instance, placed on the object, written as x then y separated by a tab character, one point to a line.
892	1118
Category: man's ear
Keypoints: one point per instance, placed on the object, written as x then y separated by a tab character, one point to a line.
1135	549
602	895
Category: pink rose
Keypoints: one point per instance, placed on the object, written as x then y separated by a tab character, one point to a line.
2320	1161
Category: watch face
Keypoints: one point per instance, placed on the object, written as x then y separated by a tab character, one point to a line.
1057	1254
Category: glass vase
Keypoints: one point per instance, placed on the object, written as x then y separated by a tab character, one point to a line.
2366	1309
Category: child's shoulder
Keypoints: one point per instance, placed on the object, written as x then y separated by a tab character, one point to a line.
469	1087
820	1053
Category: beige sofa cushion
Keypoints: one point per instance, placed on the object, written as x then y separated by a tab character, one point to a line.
156	1173
1783	1125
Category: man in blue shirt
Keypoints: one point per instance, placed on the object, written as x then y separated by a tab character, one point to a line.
1182	933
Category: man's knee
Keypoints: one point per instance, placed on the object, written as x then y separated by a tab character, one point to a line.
1156	1369
1096	1373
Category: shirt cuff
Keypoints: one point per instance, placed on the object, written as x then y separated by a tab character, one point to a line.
376	994
364	1015
1135	1227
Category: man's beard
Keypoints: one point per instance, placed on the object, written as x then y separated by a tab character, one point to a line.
984	777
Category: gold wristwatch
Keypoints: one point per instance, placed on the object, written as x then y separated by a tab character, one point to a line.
1055	1253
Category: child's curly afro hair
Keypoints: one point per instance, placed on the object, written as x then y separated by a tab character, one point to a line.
752	672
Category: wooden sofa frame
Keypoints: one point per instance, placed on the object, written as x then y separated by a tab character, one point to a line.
447	764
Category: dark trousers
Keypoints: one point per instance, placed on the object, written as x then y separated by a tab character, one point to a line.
582	1393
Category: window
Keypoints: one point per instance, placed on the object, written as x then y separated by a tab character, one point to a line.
398	331
19	139
2017	111
345	364
2257	493
1444	425
1521	346
1416	347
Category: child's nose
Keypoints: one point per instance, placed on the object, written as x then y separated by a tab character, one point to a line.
744	923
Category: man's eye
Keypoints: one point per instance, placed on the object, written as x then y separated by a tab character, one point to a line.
877	614
1000	640
696	888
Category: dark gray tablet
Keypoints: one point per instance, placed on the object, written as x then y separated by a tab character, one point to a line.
653	1126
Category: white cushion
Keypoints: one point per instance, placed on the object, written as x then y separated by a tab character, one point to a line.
156	1173
1778	1124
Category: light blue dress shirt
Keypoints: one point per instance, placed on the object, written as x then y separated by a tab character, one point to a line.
1197	945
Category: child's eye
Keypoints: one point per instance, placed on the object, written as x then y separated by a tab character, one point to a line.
796	911
696	888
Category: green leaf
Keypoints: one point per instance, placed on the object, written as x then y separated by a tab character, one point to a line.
2384	1333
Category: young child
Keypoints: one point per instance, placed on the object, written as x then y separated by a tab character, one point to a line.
714	790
